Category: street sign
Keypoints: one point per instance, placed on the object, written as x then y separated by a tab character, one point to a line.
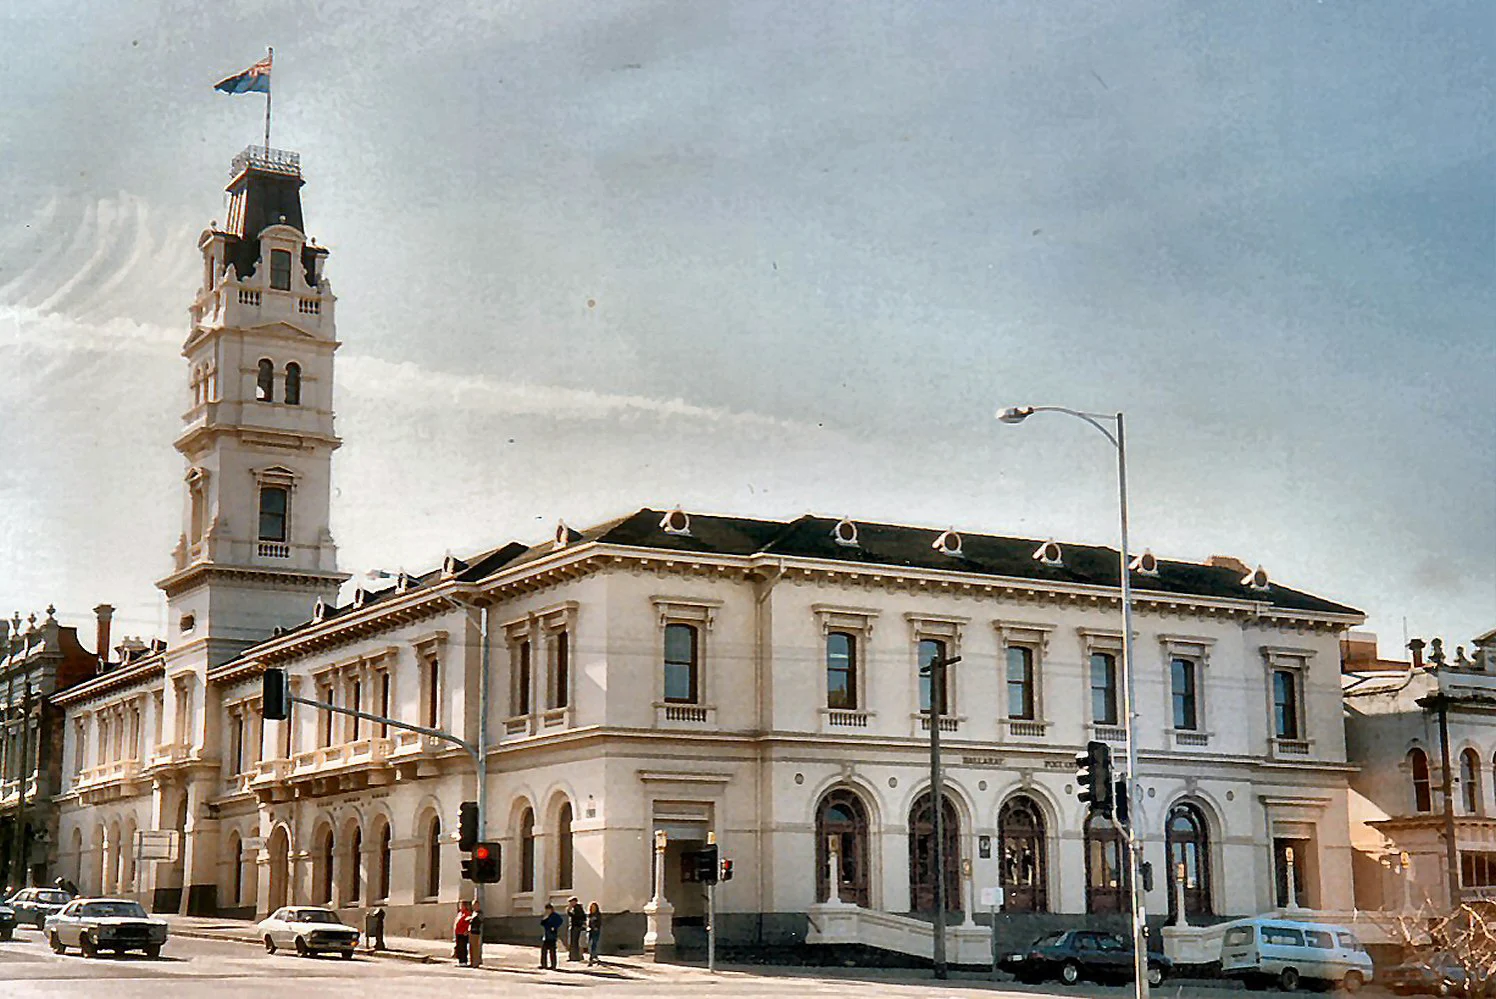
156	844
992	898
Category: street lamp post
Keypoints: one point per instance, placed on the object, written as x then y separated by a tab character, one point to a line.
1017	414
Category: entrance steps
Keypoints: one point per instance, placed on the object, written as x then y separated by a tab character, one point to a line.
846	924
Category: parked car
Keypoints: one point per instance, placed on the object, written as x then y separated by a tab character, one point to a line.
1071	955
310	930
1436	974
7	922
1289	952
33	905
97	924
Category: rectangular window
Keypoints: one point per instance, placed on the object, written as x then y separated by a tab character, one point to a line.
356	702
1285	704
287	728
560	668
432	694
522	667
80	748
1020	683
236	747
1477	869
1103	688
384	703
841	670
931	649
280	270
328	697
682	670
273	507
1182	676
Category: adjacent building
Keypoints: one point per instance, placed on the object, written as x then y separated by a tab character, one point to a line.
1401	816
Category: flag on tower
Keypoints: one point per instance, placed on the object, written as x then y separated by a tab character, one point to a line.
254	80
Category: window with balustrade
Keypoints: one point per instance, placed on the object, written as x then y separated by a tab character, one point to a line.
841	670
275	503
280	270
1021	683
1184	693
1103	677
682	665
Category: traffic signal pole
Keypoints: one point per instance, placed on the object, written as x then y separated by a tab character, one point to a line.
938	666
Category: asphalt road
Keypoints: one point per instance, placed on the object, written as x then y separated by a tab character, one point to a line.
193	968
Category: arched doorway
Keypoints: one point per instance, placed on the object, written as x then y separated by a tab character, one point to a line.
1023	870
1189	852
323	858
354	893
841	814
1106	868
280	869
922	854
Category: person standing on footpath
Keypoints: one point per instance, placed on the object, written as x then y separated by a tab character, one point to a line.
475	938
460	932
576	922
594	932
550	930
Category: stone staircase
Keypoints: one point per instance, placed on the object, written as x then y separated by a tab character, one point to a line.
842	923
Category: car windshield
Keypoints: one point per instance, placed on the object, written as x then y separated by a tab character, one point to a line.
315	916
97	910
1105	941
53	897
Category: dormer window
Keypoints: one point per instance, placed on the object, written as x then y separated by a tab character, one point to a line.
280	270
676	522
265	381
949	543
293	384
452	565
319	614
1049	554
360	597
1145	564
845	533
563	535
1257	579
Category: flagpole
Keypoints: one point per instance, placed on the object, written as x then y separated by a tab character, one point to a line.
269	58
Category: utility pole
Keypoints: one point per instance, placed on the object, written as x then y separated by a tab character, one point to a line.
23	770
937	666
1440	702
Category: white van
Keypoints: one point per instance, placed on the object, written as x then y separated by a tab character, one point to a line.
1264	949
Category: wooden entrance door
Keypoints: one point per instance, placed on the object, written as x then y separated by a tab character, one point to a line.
1022	856
842	815
922	855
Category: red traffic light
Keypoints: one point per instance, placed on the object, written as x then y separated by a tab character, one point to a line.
481	852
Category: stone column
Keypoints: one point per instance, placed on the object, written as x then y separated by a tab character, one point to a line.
659	914
199	853
1179	917
833	869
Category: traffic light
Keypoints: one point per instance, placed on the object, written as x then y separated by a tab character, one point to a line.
275	700
726	874
1119	800
467	868
1145	874
467	826
700	866
485	863
1094	775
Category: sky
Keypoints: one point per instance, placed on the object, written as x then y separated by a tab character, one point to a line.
767	258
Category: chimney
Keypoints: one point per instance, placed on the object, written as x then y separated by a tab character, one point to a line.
104	614
1417	646
1228	562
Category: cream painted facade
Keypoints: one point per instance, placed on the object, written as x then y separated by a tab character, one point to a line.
757	681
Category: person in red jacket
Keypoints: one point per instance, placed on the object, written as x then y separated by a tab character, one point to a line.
460	932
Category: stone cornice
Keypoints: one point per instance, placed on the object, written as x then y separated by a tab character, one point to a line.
312	579
115	679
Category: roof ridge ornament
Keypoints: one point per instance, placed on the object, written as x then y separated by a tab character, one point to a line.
1049	553
845	533
949	542
676	522
452	565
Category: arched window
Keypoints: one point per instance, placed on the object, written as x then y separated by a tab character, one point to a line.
265	381
1470	781
841	670
527	850
1021	856
841	816
1106	871
564	855
324	862
293	384
382	872
434	857
922	872
1423	798
1189	854
355	867
280	270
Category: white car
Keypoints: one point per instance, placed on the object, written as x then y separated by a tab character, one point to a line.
309	930
98	924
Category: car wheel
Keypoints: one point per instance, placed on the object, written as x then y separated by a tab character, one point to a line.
57	947
269	945
7	934
1352	981
153	951
86	946
1070	973
301	948
1155	977
347	955
1288	980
